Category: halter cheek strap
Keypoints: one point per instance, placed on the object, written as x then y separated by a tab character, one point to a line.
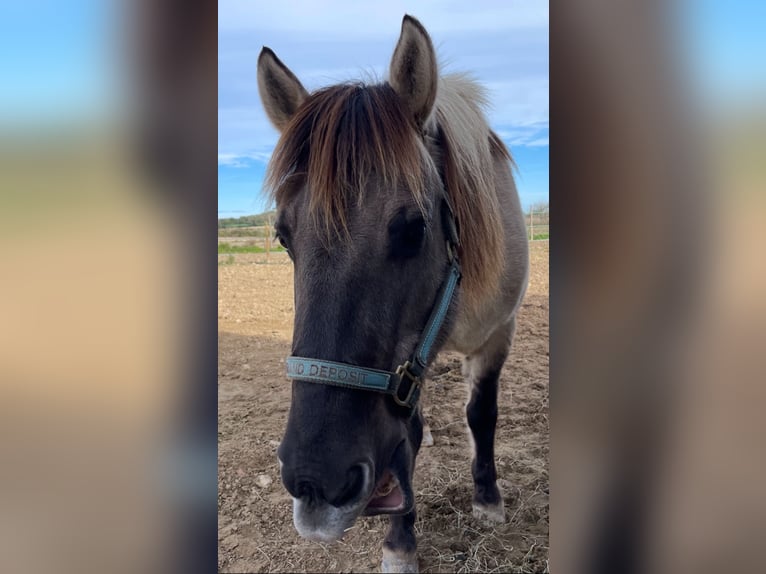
404	383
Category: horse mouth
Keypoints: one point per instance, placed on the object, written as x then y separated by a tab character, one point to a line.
388	496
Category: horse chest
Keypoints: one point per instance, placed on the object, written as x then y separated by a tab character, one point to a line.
473	328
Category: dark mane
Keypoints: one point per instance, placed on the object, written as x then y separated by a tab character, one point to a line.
338	138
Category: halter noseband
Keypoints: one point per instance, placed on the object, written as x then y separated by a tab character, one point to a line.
404	383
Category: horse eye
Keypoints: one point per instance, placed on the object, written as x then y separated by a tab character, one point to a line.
406	236
283	243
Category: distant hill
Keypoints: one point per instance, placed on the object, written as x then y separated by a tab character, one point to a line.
247	220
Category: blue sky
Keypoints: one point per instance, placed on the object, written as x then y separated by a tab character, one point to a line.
504	44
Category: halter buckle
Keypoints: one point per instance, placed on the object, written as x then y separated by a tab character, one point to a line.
404	371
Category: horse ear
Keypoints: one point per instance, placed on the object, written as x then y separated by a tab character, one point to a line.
281	92
413	72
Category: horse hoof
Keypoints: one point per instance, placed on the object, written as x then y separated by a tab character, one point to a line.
399	561
489	513
428	438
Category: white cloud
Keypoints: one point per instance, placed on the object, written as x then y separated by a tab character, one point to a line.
354	18
521	102
243	159
524	136
230	160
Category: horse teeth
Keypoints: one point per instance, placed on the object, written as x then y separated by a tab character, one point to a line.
385	489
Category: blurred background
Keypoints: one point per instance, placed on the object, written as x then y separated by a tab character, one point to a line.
107	288
657	314
108	301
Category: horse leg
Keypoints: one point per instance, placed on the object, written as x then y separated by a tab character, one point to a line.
428	438
400	546
482	370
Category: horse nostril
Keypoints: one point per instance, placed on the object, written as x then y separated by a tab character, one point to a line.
309	490
353	487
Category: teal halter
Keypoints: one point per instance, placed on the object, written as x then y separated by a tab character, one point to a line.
404	383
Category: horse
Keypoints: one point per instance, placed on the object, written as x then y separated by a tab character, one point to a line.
397	205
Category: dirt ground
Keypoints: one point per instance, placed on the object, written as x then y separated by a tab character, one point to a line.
255	530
